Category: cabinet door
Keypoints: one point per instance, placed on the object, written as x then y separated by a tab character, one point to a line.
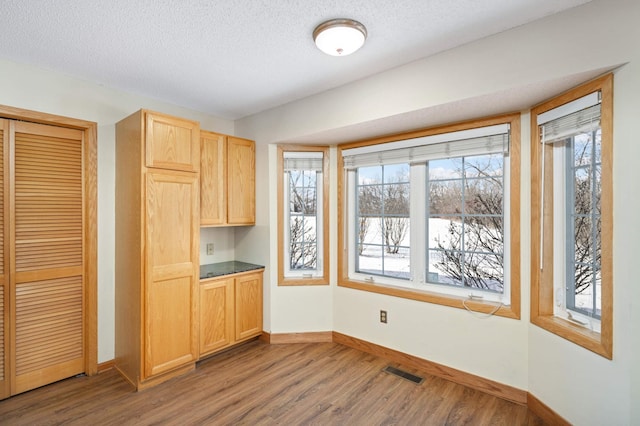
248	306
172	143
241	197
213	179
171	271
216	315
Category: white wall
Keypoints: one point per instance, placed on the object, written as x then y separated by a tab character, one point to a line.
252	243
223	240
286	309
580	386
32	88
626	237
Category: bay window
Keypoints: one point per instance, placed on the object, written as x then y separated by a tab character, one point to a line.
429	215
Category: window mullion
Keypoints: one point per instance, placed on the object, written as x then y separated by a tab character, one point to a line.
417	219
382	221
287	218
463	251
594	228
352	209
319	209
569	208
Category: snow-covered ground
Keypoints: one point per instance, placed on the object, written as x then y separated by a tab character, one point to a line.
371	260
398	265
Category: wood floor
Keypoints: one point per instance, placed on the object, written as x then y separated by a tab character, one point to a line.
261	384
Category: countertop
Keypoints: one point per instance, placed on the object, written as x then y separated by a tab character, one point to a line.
226	268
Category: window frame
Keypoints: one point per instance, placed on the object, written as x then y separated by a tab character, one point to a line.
323	279
353	268
569	218
489	295
461	302
542	281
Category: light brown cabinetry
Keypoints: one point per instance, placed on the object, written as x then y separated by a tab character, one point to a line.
227	181
248	306
157	246
241	181
216	314
213	179
171	143
44	260
230	310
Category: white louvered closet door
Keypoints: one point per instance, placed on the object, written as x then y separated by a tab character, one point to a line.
46	260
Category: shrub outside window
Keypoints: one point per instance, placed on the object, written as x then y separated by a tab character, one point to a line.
466	232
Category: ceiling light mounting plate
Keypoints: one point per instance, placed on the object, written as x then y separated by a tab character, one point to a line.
340	37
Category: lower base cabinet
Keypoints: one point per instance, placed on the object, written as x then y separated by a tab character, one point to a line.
230	310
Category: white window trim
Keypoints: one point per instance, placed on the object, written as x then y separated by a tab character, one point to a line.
558	143
559	246
505	296
305	273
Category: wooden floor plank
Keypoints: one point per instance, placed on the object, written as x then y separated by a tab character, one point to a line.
262	384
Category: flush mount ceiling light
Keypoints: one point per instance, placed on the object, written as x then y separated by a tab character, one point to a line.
340	37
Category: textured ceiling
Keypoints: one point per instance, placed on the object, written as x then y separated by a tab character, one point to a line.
236	58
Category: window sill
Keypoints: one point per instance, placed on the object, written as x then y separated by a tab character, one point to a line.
588	339
431	297
288	282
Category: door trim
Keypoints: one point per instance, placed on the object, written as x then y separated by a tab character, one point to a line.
90	211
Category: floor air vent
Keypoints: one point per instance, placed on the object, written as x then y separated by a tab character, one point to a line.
403	374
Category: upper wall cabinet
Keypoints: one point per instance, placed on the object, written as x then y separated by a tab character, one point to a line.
171	143
227	180
241	184
213	179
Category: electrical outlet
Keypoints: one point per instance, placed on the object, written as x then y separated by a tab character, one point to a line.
383	316
209	249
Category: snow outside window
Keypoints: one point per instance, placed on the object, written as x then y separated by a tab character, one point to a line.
303	214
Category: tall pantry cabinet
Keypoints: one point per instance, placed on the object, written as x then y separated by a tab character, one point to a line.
157	246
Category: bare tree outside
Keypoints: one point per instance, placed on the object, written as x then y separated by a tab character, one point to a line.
369	203
584	220
383	220
302	219
395	222
387	202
